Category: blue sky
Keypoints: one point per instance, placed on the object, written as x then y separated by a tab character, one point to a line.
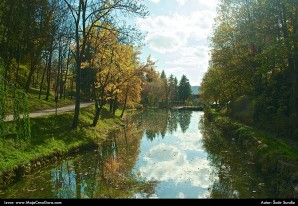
177	36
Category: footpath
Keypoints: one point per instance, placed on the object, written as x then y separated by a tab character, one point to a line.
68	108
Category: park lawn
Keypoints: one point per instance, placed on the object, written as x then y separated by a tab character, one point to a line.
36	104
52	134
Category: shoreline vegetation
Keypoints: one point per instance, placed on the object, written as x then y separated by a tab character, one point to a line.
269	154
53	138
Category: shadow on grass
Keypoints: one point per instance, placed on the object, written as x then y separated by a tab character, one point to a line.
57	128
53	134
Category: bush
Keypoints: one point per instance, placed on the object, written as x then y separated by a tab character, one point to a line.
243	109
134	105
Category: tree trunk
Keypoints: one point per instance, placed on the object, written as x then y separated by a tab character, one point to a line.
115	105
124	106
111	105
71	88
18	67
31	72
59	69
97	114
63	83
49	68
79	55
78	96
42	78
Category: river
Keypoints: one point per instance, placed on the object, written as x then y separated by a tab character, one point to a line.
158	154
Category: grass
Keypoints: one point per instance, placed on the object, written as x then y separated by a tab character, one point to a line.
36	104
277	148
52	134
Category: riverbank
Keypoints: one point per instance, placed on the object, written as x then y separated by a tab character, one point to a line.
276	159
52	138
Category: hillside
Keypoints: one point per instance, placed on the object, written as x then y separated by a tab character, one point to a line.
195	89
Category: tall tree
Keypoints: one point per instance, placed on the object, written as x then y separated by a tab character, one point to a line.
254	55
184	89
86	15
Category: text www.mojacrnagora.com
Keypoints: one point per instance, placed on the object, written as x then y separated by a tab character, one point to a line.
32	202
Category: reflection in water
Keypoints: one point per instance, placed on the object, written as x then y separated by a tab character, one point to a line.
174	156
105	172
236	177
157	122
172	122
159	154
154	122
184	120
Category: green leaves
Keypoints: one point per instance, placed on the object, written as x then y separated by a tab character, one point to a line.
254	54
21	120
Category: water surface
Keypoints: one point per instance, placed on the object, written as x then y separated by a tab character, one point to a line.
159	154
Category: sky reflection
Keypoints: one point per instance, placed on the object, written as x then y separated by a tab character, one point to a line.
177	161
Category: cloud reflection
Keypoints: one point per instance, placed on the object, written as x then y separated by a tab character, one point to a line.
166	162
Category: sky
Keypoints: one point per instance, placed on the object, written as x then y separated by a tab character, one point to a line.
177	34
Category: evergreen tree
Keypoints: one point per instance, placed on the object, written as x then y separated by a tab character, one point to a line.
176	92
184	89
163	75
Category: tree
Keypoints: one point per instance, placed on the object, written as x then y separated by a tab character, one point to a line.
86	15
163	75
21	121
254	55
211	86
172	84
184	89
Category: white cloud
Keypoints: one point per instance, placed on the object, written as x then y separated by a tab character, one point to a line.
189	56
163	43
181	195
195	26
179	38
181	2
155	1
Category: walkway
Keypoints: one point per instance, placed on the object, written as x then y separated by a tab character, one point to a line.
68	108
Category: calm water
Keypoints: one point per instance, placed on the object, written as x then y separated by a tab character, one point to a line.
159	154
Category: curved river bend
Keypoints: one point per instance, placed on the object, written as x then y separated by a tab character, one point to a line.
159	154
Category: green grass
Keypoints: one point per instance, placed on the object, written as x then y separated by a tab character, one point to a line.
40	104
52	134
36	104
277	148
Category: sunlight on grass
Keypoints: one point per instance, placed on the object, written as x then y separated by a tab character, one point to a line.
53	133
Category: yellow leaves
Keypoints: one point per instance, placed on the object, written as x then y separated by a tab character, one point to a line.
84	65
119	69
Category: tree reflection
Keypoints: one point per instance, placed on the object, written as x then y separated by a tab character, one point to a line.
157	122
233	175
107	172
172	121
150	134
103	172
154	122
184	119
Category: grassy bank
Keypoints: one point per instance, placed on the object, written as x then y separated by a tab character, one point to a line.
36	104
52	136
275	158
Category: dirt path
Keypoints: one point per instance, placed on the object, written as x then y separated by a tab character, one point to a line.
69	108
